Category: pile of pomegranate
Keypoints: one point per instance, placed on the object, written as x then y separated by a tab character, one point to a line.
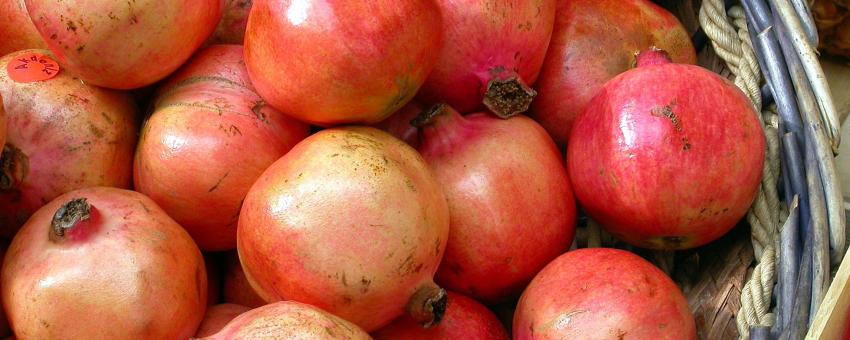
357	169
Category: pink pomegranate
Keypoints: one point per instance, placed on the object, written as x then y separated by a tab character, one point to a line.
399	125
600	293
595	40
335	62
511	206
465	318
217	317
63	135
667	156
205	117
350	221
17	29
289	320
236	288
103	263
234	20
492	53
124	44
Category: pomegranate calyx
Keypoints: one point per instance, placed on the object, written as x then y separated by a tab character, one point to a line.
652	56
508	97
428	305
67	217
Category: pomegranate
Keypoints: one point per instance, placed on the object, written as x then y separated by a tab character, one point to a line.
63	135
667	156
601	293
17	29
204	117
217	317
289	320
593	41
350	221
399	125
345	61
492	52
465	318
124	44
103	263
511	206
236	288
234	19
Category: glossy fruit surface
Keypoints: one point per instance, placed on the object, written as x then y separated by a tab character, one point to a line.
346	61
593	41
351	221
667	156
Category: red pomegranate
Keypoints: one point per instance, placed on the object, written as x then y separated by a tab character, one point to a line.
236	288
17	29
593	41
217	317
334	62
399	125
205	118
289	320
234	20
350	221
63	135
492	52
124	44
667	156
465	318
103	263
600	293
511	206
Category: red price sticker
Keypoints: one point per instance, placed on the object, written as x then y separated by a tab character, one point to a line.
31	67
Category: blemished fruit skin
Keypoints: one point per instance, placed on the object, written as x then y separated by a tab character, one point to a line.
465	318
593	41
103	263
352	221
289	320
62	135
486	41
218	316
17	29
124	45
602	293
667	156
208	139
511	206
345	61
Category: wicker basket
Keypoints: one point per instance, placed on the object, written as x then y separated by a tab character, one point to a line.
768	277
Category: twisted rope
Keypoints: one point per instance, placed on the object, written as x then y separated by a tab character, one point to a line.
731	41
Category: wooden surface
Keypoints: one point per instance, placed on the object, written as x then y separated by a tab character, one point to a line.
831	318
